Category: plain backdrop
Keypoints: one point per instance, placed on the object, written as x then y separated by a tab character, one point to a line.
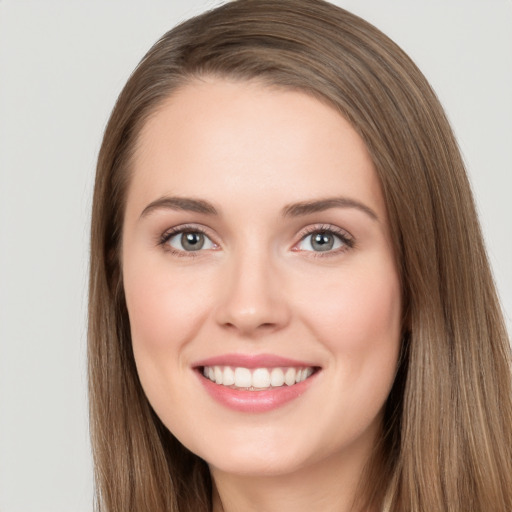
62	65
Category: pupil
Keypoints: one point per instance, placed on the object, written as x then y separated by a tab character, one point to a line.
192	241
322	242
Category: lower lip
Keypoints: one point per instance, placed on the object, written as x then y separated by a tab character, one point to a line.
255	401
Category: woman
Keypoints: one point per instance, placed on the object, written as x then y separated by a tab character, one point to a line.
290	302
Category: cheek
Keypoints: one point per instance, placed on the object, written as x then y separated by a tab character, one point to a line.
358	313
358	319
164	307
166	310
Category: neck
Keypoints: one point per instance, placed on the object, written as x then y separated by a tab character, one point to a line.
328	485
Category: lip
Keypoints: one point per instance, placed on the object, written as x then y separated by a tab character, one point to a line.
254	401
252	361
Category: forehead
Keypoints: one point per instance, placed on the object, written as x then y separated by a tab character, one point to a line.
221	139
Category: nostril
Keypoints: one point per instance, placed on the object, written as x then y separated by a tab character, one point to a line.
250	310
248	327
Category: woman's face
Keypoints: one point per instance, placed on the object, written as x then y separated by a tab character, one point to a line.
256	251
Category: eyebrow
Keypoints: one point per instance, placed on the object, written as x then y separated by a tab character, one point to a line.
179	203
308	207
291	210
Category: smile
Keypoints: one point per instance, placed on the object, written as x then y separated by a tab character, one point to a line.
256	379
255	383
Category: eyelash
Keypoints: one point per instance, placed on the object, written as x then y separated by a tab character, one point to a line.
184	228
346	239
348	242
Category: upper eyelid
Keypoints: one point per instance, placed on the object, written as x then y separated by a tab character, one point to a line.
176	230
330	228
346	237
187	227
303	233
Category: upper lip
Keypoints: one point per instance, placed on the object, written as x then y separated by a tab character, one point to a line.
252	361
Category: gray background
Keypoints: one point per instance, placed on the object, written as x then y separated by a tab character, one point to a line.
62	64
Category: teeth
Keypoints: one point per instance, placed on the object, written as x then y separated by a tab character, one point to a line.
289	376
243	378
229	376
257	379
261	378
277	377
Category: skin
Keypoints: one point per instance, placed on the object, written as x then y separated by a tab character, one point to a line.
260	287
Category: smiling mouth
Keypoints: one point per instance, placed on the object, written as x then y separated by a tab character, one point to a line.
256	379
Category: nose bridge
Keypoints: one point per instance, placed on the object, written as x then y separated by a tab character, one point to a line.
253	298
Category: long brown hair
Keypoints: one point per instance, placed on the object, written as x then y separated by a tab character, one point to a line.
447	433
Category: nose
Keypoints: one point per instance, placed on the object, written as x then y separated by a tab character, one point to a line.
252	297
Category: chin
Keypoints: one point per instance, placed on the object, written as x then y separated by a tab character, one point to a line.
270	457
257	466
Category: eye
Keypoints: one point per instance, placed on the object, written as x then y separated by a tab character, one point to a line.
324	240
188	241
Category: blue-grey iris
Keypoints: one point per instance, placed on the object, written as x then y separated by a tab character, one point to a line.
192	241
322	241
